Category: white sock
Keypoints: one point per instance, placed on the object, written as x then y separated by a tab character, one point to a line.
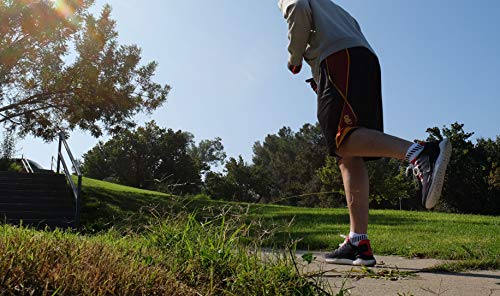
414	152
355	238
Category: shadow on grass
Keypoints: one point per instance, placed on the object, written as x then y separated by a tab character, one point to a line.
103	209
339	218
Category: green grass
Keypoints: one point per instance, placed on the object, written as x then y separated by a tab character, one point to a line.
402	233
463	265
139	242
60	263
108	205
173	256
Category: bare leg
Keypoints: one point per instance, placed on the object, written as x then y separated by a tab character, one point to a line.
365	142
355	177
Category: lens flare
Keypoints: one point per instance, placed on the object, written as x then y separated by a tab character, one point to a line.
63	8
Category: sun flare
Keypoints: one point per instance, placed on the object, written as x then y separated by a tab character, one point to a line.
63	9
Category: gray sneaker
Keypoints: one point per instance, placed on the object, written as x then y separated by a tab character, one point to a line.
349	254
429	169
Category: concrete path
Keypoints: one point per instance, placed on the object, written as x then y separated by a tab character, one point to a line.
392	279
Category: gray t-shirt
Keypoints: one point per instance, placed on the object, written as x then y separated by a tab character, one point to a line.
317	29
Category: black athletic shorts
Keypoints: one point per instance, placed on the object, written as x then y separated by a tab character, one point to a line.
349	95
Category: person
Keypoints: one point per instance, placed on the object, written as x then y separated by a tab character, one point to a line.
347	80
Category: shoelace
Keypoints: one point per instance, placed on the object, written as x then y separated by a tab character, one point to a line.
342	245
414	171
345	240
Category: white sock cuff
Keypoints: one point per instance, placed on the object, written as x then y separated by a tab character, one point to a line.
355	238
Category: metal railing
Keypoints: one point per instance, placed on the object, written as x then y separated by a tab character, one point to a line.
77	188
52	160
27	165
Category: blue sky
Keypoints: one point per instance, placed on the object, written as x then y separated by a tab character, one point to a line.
226	61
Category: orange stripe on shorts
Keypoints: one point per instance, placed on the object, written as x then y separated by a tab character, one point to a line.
338	66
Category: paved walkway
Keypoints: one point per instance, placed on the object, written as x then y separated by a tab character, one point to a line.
476	283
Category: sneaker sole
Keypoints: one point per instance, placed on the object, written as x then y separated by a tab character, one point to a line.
357	262
439	173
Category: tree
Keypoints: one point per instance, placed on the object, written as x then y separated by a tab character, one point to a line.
284	171
7	150
97	162
389	185
8	146
471	172
241	182
208	153
292	168
331	181
61	67
490	150
299	168
154	158
290	161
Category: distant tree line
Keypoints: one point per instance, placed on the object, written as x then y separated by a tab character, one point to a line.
154	158
473	180
290	168
104	85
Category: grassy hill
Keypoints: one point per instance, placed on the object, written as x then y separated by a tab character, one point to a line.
125	250
108	205
404	233
138	242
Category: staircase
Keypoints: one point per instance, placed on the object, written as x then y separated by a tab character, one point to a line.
39	200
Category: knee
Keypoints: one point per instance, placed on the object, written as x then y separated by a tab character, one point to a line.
346	163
